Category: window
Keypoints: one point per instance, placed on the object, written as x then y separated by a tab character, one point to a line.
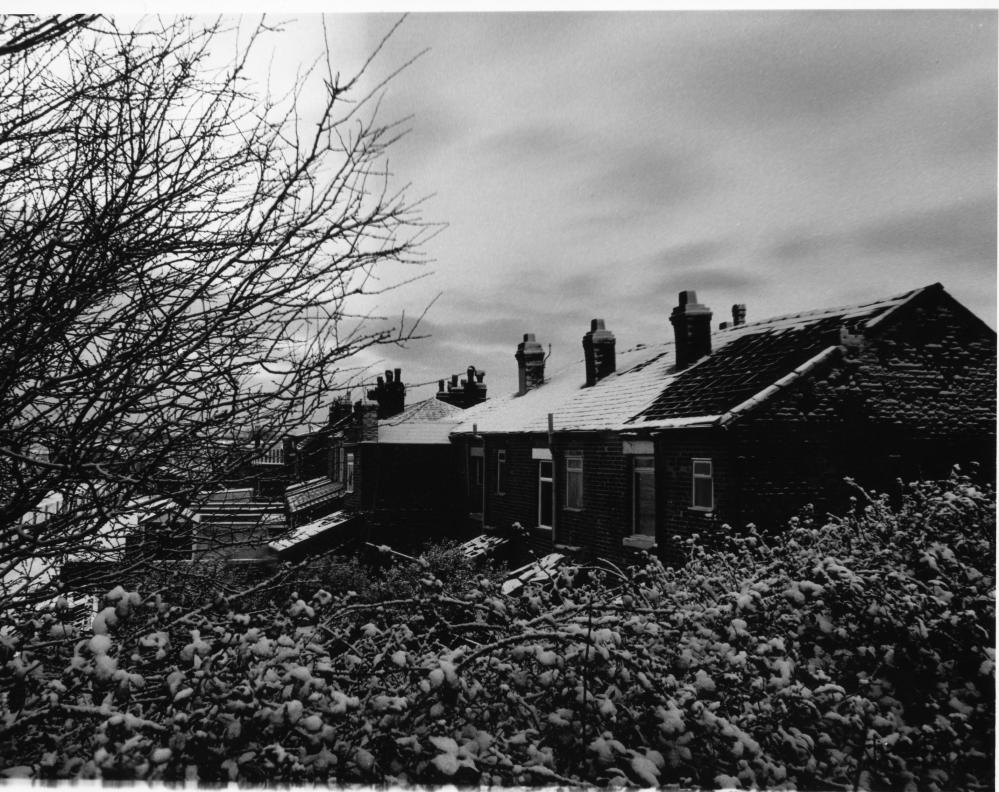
704	487
335	464
348	478
477	471
501	471
545	493
644	468
574	481
272	456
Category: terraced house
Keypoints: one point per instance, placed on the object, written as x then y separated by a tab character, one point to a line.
722	425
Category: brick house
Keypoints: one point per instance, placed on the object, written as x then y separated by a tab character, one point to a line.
744	422
380	470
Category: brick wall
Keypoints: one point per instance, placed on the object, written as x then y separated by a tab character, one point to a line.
913	400
678	519
930	374
605	518
598	527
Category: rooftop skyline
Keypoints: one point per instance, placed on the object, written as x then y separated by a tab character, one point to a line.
596	164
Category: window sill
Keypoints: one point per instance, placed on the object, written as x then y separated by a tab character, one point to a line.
639	542
475	515
702	510
545	528
572	508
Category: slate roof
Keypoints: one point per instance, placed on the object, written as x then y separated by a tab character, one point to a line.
313	492
430	421
646	391
315	528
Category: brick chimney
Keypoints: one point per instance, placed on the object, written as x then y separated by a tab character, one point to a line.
692	328
530	364
366	421
738	317
339	408
390	393
598	352
471	391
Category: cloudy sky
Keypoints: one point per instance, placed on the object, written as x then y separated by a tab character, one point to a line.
595	164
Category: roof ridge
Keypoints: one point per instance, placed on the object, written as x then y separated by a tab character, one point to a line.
831	311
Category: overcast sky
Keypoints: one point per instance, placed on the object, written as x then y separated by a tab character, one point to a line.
596	164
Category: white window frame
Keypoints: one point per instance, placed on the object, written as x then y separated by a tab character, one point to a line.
500	470
551	480
695	476
575	459
640	467
348	471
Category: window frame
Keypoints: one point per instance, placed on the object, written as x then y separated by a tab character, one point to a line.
500	471
695	477
336	464
570	473
549	479
348	471
638	467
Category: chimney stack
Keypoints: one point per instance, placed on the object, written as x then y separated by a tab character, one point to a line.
692	328
738	314
470	392
366	421
530	364
598	352
339	408
390	393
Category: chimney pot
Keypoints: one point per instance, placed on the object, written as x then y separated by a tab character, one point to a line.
469	393
390	393
738	314
440	386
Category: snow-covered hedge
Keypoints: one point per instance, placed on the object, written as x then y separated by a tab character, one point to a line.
857	650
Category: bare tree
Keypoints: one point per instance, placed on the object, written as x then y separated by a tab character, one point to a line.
179	255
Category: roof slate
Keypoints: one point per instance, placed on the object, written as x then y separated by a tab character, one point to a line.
428	422
647	392
313	492
310	530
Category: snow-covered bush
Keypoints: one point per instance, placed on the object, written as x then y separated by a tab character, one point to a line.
853	651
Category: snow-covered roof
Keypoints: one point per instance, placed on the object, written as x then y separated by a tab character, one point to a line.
430	421
311	493
310	530
647	391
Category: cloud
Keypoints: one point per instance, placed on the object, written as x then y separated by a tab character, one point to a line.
532	141
963	231
784	66
630	180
